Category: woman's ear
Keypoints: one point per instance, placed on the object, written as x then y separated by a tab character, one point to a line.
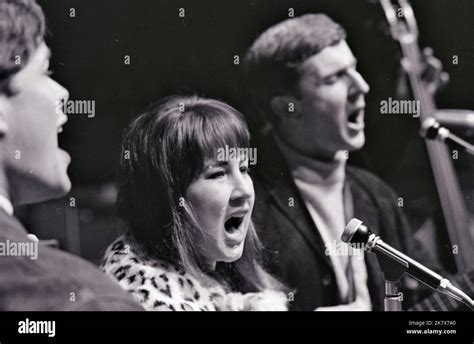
286	107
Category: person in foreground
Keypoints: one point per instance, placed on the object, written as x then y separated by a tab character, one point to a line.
191	244
34	277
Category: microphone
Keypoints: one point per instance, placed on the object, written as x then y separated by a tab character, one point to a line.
357	233
432	130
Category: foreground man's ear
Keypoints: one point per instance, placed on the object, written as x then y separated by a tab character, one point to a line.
3	120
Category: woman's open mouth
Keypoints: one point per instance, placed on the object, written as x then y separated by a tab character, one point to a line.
235	232
234	223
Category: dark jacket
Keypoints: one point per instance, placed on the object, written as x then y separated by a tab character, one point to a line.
294	250
55	281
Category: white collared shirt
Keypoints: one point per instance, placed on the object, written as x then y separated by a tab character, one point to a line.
6	205
321	185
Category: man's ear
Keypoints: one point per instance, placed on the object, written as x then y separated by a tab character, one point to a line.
3	120
286	107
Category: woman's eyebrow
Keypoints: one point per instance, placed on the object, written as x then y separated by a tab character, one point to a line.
216	164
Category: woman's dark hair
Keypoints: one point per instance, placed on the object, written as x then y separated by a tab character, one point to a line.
163	151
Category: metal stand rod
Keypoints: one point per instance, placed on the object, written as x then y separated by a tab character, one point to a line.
392	272
393	299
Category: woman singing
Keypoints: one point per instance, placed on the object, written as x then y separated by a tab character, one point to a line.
191	244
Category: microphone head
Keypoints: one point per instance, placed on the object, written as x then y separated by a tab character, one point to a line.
355	232
350	230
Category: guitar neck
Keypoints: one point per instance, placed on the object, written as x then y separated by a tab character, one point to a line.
404	29
456	215
441	302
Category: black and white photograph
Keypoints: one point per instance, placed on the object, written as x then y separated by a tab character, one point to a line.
306	161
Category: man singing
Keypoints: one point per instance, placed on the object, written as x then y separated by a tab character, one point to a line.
33	169
307	113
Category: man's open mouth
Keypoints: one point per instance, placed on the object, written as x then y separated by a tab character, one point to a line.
355	120
354	115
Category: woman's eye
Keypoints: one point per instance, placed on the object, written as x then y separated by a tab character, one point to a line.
217	175
245	169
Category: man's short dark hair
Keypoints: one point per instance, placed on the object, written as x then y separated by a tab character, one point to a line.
272	62
22	29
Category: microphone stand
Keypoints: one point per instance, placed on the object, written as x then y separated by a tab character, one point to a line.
395	266
432	130
393	270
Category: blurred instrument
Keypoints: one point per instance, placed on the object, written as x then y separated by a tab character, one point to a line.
426	76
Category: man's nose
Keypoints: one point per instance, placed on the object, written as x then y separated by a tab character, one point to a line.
62	92
359	85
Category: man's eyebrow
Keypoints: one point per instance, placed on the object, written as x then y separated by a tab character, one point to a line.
353	63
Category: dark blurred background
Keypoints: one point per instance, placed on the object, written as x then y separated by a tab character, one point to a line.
195	54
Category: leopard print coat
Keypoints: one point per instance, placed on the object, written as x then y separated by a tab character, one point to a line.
159	286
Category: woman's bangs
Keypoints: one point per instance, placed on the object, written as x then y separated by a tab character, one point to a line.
222	130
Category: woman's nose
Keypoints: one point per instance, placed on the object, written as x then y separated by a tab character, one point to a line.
243	188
